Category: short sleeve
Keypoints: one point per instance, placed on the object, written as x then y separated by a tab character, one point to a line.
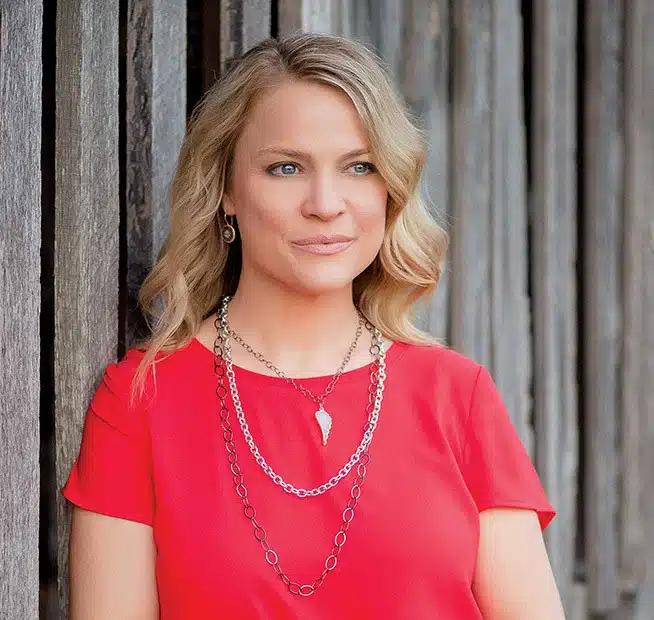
496	466
112	474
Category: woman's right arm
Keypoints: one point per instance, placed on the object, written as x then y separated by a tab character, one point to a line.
112	569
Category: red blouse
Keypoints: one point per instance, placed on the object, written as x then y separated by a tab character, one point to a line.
444	450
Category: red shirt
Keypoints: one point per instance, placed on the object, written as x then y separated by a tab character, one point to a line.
444	450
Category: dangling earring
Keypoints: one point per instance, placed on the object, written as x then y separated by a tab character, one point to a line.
228	232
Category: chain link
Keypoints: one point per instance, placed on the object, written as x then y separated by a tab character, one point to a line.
221	354
375	394
319	400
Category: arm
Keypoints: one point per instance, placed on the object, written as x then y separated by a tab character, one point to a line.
111	569
513	579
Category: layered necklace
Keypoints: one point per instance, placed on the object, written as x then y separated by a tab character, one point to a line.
322	417
223	367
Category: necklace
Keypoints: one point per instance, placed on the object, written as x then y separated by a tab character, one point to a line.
322	417
377	377
223	367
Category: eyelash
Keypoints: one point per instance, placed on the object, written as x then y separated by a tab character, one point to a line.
371	168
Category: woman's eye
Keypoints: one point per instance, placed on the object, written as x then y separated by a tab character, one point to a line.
363	167
284	170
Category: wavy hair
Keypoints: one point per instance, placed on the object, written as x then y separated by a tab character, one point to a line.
195	268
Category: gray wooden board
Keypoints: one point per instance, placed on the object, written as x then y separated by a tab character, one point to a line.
20	244
637	465
553	207
243	23
603	182
86	224
155	120
424	81
325	16
470	255
510	314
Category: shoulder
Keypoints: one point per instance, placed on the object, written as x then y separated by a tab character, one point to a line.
120	376
438	367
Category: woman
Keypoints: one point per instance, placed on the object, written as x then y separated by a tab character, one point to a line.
229	482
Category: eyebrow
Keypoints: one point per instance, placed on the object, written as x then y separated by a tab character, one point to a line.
302	155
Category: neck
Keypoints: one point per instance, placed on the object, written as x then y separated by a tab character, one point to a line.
302	335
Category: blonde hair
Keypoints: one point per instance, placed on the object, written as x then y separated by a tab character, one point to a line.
196	268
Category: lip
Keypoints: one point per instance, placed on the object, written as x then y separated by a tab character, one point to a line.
323	244
323	240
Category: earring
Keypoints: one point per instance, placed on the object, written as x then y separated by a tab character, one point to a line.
228	232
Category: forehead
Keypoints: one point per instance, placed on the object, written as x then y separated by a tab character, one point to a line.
303	115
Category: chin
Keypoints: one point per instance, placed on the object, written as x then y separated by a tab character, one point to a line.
316	283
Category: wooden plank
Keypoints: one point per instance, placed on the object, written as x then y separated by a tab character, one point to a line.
86	224
243	23
576	600
310	16
20	244
510	336
554	289
155	120
423	76
229	29
471	181
637	505
603	184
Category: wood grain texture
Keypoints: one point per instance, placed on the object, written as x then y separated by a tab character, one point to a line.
602	235
424	81
243	23
636	553
326	16
86	224
553	209
155	109
470	253
20	244
510	339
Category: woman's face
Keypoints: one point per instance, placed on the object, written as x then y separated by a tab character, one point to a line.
310	204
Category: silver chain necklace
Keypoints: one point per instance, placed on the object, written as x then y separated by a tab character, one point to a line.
377	377
322	417
221	355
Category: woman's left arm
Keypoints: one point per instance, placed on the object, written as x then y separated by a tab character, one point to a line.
514	579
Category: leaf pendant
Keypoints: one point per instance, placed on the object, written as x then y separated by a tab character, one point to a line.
325	423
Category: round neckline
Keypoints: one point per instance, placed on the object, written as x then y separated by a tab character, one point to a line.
347	375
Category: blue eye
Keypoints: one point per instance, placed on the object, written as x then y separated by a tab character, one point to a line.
362	168
284	170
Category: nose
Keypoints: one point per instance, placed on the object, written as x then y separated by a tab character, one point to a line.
324	200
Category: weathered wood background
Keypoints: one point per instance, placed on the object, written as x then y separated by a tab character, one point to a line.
540	117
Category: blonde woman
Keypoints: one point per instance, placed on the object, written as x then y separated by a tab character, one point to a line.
300	449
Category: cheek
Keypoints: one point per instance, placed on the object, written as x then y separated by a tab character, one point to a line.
372	219
265	211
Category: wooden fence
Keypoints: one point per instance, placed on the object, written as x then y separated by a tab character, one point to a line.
540	117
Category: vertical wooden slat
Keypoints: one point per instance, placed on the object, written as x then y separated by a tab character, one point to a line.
229	29
423	78
554	290
20	243
603	182
510	314
381	27
637	432
310	15
471	180
155	109
86	225
243	23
